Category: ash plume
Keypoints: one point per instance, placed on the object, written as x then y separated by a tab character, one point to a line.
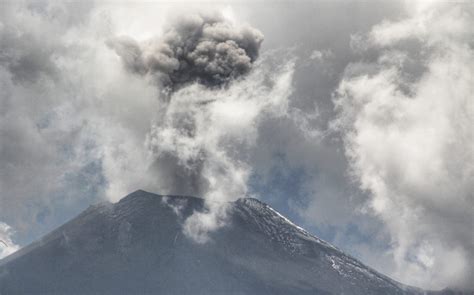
206	50
213	100
198	48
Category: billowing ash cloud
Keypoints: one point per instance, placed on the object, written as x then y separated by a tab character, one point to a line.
202	132
198	48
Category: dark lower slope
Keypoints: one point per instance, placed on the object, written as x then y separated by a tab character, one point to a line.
136	247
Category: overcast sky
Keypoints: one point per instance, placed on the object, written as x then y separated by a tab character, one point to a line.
353	118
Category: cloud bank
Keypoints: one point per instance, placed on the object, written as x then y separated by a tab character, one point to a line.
407	122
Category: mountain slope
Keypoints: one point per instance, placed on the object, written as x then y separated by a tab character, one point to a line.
137	246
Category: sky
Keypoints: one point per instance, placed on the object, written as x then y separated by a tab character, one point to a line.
352	118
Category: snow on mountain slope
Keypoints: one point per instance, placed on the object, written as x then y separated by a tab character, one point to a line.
137	246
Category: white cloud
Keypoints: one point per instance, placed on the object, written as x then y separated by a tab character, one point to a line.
7	246
209	133
320	55
66	103
409	140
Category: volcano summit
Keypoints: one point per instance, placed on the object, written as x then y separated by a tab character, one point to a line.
136	246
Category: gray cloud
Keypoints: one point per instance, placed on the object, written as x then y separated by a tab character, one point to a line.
198	48
409	141
60	126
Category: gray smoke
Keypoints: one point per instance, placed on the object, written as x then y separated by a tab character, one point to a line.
205	124
204	49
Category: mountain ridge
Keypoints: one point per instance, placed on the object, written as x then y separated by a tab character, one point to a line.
137	246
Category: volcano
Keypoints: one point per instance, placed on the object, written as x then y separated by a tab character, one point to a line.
137	246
